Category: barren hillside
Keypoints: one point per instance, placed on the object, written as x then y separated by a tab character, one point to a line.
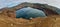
50	21
8	17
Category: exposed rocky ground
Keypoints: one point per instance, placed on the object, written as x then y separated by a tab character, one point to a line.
8	17
50	21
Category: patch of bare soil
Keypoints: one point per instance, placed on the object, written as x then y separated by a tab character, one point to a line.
50	21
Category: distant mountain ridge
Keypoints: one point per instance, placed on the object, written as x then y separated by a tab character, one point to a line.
50	10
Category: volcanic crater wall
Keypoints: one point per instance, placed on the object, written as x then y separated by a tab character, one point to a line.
50	21
12	11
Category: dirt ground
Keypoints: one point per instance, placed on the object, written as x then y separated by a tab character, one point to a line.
50	21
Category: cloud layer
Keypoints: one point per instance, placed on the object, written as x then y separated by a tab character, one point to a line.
10	3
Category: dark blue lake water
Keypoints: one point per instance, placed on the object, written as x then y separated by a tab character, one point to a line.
29	12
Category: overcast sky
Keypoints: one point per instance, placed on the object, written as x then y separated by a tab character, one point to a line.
11	3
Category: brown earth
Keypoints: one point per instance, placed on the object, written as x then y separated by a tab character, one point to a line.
7	19
50	21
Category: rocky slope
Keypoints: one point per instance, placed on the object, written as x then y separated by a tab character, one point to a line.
49	10
8	17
